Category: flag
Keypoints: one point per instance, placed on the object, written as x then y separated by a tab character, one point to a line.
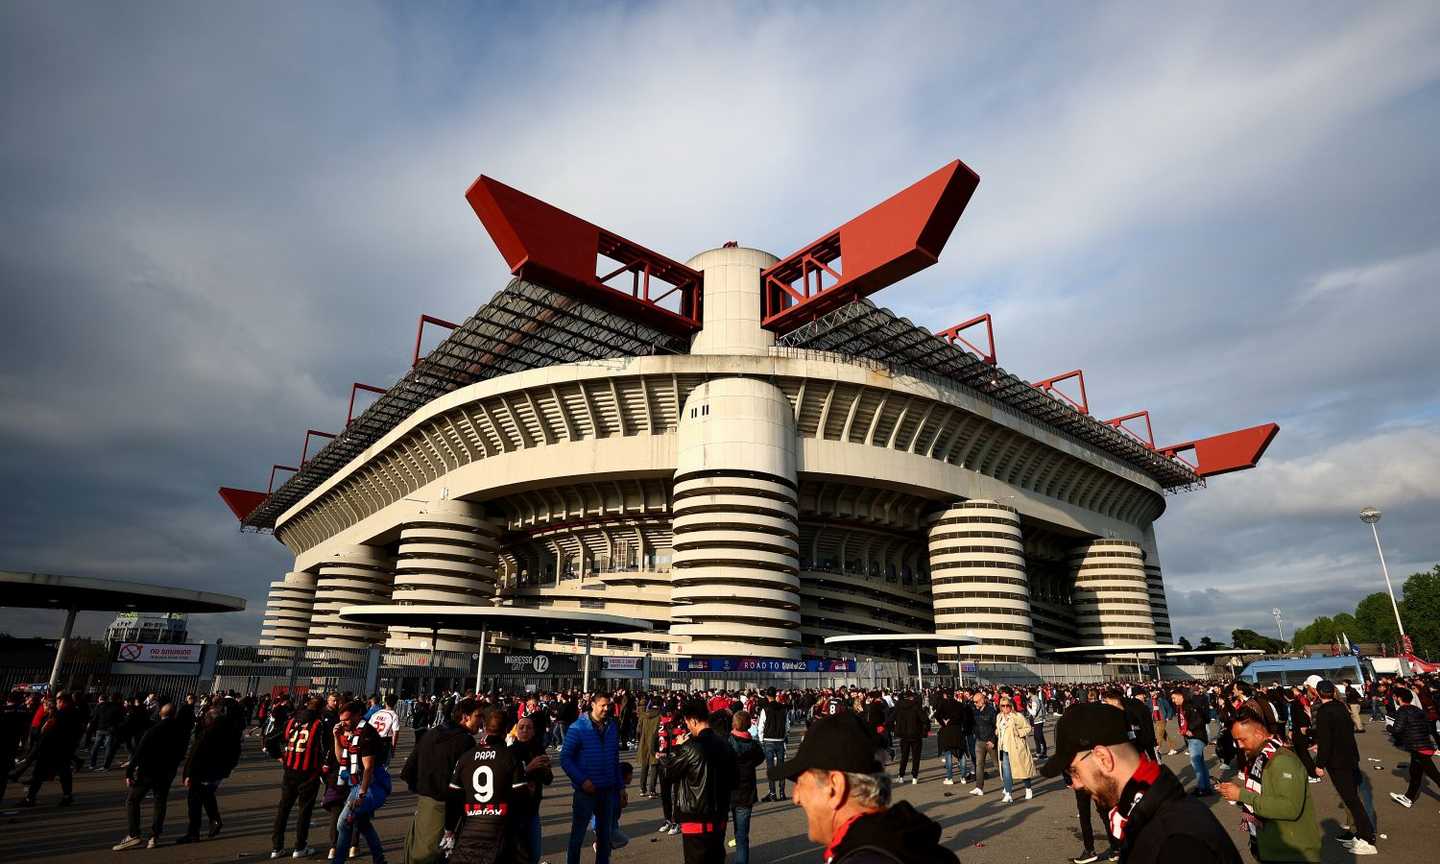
1346	639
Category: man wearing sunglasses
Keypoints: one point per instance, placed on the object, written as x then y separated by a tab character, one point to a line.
1149	813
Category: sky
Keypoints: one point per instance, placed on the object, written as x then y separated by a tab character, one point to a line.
217	216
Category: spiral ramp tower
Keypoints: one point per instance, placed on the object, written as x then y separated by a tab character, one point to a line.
977	580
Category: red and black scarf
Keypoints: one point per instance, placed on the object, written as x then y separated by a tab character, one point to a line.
1144	777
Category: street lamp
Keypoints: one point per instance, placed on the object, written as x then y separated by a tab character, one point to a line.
1279	622
1371	515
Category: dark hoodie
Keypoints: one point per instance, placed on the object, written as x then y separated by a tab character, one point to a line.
900	833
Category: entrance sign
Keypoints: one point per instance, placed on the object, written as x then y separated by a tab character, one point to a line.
149	652
751	664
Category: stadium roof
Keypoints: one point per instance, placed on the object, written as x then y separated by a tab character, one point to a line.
523	327
862	329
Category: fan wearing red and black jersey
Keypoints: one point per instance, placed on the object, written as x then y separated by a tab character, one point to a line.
481	827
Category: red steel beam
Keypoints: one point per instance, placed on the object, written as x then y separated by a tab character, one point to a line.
242	502
419	334
1227	452
897	237
350	413
1119	423
306	449
953	335
270	487
544	244
1048	385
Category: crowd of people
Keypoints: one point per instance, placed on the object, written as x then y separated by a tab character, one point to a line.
480	764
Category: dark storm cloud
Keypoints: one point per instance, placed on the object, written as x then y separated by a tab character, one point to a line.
218	216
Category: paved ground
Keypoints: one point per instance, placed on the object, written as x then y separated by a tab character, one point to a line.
979	829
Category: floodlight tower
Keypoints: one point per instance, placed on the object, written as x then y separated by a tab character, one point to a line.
1279	622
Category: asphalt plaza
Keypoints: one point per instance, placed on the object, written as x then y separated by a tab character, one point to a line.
979	829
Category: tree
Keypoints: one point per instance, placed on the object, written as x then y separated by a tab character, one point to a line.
1207	644
1251	639
1321	631
1421	611
1375	619
1184	644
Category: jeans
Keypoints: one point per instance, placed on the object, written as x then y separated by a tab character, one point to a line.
1005	780
356	816
955	760
535	838
774	755
138	790
583	808
1347	782
295	787
104	742
741	815
984	753
1196	748
201	796
909	753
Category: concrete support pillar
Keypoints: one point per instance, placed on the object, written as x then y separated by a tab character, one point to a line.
1155	584
448	555
353	576
978	581
735	572
1111	597
288	610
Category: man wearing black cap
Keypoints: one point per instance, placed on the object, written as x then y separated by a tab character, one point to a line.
1149	812
845	793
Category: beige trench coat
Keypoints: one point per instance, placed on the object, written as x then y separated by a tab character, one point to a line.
1015	741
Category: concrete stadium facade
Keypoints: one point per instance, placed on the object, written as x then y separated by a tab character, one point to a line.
746	498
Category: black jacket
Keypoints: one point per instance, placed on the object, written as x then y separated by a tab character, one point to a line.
899	834
1335	737
1170	827
158	754
911	723
703	771
428	768
775	721
984	723
1412	730
1137	714
957	721
216	751
108	717
1194	720
748	757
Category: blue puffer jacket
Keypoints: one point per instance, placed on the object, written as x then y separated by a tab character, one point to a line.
590	755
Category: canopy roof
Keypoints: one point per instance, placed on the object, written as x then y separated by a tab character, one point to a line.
509	619
88	594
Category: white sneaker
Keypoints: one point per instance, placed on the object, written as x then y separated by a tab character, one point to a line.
1029	793
1006	799
914	780
664	826
303	853
948	782
977	791
1362	847
1402	800
1171	752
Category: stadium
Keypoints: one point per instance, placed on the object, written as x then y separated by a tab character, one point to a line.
742	449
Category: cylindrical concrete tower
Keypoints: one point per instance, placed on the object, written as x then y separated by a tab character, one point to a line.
447	555
977	580
1112	601
1159	607
730	313
287	611
735	571
355	576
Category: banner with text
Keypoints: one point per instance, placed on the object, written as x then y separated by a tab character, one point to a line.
748	664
